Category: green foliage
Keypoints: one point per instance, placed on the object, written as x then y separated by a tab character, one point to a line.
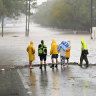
66	14
12	8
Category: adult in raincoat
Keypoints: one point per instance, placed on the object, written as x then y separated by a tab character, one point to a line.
68	54
42	53
84	53
31	53
54	53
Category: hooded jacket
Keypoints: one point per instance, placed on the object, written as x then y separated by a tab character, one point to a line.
54	46
31	51
68	52
84	50
83	45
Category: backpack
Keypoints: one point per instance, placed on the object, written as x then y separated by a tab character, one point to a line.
42	49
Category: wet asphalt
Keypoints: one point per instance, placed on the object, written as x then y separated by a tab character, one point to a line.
71	81
11	85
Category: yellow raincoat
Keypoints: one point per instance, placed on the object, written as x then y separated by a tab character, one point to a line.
84	46
68	52
54	46
31	51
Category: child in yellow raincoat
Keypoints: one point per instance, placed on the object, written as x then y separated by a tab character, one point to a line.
31	53
68	54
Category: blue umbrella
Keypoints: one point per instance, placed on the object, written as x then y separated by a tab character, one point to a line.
64	45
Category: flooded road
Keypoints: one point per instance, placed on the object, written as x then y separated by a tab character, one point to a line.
13	45
72	81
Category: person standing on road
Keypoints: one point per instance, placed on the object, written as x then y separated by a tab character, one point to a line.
68	54
42	53
84	53
54	53
62	57
31	53
63	46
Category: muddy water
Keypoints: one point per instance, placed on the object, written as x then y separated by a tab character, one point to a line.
73	81
13	45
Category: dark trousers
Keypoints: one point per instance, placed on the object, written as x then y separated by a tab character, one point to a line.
83	57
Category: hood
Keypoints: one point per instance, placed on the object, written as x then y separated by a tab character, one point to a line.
53	41
82	41
68	41
31	43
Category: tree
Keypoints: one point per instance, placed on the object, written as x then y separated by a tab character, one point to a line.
30	4
66	14
13	8
10	8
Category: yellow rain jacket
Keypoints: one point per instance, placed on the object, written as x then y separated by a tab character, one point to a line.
68	52
31	51
84	46
54	46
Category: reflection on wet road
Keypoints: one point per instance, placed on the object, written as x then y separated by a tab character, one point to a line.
58	82
33	82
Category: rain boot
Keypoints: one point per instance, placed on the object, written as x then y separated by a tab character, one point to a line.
52	66
56	66
41	67
86	65
45	67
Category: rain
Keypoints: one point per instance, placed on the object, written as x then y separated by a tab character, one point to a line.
22	21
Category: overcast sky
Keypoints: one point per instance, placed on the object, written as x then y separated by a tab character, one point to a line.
40	1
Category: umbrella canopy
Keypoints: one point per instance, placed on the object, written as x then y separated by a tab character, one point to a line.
64	45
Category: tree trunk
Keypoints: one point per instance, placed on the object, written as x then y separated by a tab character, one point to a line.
29	18
91	18
2	25
26	32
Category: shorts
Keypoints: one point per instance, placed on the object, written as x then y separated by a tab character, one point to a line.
43	57
67	58
54	56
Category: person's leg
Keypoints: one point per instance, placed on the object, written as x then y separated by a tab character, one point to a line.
56	62
52	63
40	62
45	64
52	66
81	60
61	60
86	60
67	62
30	64
61	57
56	56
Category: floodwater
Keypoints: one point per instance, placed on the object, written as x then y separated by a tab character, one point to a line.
72	81
14	43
